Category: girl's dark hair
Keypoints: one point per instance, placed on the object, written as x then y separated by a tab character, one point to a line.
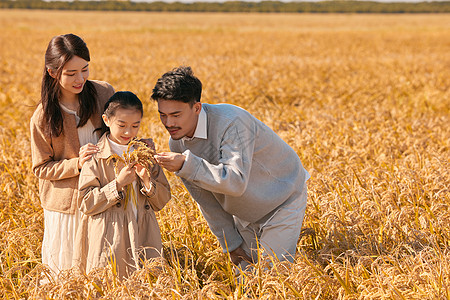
123	100
60	50
180	84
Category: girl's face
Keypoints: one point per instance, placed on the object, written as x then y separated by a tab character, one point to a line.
124	125
74	75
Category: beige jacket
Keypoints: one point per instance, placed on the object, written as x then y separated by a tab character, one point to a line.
55	159
108	230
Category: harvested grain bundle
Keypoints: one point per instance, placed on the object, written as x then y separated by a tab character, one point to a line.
137	152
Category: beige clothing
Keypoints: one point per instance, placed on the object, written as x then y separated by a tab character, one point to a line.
109	231
60	228
120	150
55	159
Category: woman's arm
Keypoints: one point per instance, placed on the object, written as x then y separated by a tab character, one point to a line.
42	153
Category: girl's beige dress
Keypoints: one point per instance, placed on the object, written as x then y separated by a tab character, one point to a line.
111	231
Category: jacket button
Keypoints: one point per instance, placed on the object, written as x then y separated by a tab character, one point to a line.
147	207
118	204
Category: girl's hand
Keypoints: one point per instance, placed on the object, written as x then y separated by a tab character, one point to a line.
143	174
126	176
85	153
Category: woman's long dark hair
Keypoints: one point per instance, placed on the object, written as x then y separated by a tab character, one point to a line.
60	50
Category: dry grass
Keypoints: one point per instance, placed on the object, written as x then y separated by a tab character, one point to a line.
363	99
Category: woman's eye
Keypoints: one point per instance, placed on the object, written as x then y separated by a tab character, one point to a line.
121	126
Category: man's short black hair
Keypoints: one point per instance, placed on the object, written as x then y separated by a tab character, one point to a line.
180	84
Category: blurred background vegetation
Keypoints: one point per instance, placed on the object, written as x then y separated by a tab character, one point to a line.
237	6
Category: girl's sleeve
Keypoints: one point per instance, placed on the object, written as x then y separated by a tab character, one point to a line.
93	197
159	193
43	164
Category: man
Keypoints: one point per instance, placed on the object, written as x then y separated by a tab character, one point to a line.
249	184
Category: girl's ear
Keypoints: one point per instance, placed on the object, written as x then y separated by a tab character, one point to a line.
51	72
106	120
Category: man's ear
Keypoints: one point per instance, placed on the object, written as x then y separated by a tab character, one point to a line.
51	72
197	107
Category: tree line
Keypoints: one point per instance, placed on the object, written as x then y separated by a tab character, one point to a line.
236	6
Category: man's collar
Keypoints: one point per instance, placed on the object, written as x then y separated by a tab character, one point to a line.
201	131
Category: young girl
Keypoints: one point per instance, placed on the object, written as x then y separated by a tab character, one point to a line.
114	229
65	119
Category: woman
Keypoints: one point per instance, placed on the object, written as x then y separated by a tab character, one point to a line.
63	138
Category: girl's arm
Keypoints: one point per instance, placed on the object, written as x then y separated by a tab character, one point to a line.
43	164
156	188
93	197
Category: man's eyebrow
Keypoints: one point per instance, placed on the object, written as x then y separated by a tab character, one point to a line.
171	113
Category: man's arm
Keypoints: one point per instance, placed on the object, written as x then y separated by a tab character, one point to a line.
230	176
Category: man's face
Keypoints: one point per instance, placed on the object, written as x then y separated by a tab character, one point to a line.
179	118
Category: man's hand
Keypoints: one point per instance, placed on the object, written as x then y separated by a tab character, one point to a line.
149	143
238	255
170	160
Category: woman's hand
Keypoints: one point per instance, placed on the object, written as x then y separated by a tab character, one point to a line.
126	176
85	153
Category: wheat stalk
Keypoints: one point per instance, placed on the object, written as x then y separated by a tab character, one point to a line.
137	153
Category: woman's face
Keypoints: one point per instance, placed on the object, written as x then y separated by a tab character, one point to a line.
74	75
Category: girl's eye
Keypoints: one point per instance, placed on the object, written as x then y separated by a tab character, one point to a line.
121	126
84	70
70	74
135	126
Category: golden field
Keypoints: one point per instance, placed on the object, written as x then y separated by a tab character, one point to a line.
363	99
